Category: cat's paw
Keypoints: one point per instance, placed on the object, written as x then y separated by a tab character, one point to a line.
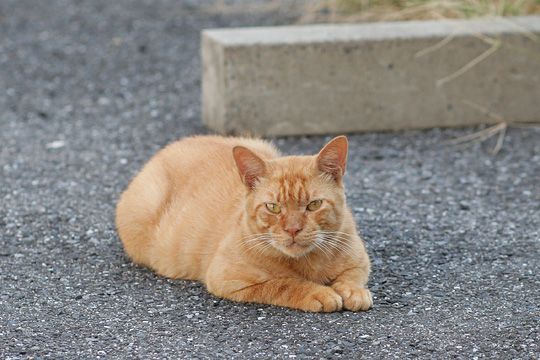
354	297
322	299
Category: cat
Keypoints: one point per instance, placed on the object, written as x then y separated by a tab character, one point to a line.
253	226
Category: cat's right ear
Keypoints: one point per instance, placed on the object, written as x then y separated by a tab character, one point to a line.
332	159
250	166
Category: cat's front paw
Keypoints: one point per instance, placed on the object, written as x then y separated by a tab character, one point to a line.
322	299
354	297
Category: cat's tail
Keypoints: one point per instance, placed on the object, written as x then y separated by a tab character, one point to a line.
139	210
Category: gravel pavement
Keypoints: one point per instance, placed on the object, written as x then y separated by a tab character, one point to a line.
89	90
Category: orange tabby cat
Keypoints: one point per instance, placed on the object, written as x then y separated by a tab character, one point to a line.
280	233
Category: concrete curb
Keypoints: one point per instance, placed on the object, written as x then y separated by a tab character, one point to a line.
370	77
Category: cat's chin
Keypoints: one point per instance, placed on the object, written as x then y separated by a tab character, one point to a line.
295	250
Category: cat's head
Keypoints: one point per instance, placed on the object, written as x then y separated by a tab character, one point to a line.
294	203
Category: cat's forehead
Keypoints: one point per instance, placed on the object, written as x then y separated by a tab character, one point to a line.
288	187
291	179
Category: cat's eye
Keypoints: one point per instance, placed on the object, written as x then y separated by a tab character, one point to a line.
314	205
273	208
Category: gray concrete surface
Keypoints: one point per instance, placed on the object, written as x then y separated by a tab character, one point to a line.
90	90
321	79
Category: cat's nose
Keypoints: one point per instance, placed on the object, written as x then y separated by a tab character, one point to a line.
293	230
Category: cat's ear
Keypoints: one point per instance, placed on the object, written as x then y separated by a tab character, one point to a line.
250	166
332	159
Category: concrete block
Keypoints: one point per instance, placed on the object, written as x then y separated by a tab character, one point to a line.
369	77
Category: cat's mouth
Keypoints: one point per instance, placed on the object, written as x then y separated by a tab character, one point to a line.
295	248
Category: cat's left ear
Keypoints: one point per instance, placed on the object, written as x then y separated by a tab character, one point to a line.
250	166
332	159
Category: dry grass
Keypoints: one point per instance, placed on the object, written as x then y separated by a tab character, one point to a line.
498	129
391	10
351	11
347	11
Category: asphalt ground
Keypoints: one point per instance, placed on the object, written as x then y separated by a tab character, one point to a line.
89	90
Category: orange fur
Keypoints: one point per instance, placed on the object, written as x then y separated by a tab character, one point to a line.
197	210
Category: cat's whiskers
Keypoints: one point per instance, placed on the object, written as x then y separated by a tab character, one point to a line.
332	232
254	244
338	234
342	245
320	245
258	242
336	240
256	235
262	249
257	239
324	249
327	242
